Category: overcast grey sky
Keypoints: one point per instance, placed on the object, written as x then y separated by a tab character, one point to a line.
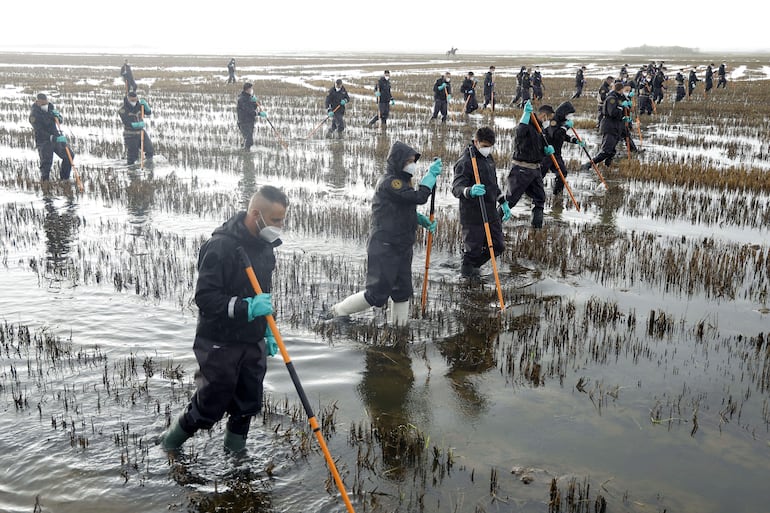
238	27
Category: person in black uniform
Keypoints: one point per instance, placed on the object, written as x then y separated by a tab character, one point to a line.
489	88
384	99
623	74
519	77
526	88
645	96
392	235
692	80
612	127
629	91
555	129
604	89
537	85
680	90
709	79
468	88
722	76
231	71
48	138
233	339
465	188
525	175
336	99
442	95
132	114
658	85
247	111
128	77
580	81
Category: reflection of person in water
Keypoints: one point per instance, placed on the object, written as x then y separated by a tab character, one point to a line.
469	353
59	227
385	390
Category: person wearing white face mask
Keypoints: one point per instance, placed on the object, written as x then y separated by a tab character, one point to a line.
336	99
465	188
391	237
132	113
233	339
43	117
442	95
384	100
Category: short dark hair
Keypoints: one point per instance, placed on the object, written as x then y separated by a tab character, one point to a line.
546	108
132	94
41	96
485	134
339	81
247	85
273	195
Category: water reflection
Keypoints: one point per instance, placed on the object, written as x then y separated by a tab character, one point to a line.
60	225
140	197
338	175
248	183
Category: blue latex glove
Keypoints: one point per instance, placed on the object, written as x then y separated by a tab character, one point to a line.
253	99
527	113
331	113
569	123
631	94
548	150
377	94
627	119
137	125
626	103
477	189
581	143
61	139
506	211
425	222
263	114
343	102
441	87
270	344
392	102
259	305
435	167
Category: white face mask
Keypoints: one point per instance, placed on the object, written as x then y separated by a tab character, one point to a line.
485	151
410	168
133	104
387	77
337	89
268	233
446	79
44	108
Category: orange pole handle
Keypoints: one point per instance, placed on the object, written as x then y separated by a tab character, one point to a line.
556	163
308	136
590	159
489	238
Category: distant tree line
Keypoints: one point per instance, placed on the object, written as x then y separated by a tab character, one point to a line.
659	50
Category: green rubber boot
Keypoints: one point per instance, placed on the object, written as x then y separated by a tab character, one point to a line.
173	438
233	442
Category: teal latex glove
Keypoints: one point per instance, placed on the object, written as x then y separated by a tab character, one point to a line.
343	102
626	103
144	104
270	344
548	150
631	94
627	119
527	113
57	115
331	114
506	211
435	167
61	139
478	189
253	99
441	87
429	180
136	125
263	114
581	143
377	94
392	102
569	123
425	222
449	97
259	305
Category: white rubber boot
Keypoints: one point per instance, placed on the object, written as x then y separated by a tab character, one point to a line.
350	305
398	313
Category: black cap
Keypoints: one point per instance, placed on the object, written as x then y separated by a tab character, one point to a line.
546	108
41	96
132	94
339	81
247	85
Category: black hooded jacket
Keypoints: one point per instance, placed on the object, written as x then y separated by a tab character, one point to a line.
441	94
464	178
43	123
130	113
223	283
246	109
528	144
383	86
334	97
394	212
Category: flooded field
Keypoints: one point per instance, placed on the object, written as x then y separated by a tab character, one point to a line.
630	371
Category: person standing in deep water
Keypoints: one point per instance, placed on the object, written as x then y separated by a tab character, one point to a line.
233	339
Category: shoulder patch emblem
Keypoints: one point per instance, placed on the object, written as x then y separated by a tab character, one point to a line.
612	100
553	123
396	184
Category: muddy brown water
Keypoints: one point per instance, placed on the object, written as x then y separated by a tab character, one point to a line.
612	376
